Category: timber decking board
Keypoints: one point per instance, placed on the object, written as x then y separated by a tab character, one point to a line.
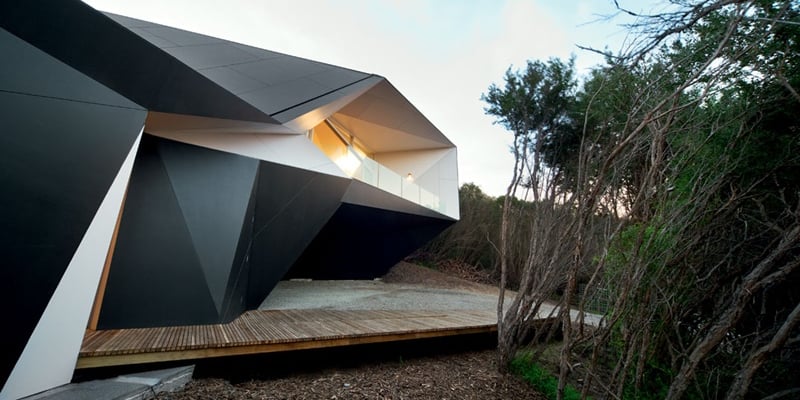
262	331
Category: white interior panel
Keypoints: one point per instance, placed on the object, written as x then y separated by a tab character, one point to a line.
383	106
448	166
429	181
433	170
417	162
448	183
291	150
449	198
49	357
379	138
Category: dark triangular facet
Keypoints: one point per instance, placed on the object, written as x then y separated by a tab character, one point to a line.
155	277
213	192
292	206
272	82
61	147
379	238
104	50
236	293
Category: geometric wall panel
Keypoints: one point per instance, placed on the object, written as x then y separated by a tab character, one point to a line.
205	234
279	85
363	242
121	60
292	206
52	177
178	235
213	190
50	355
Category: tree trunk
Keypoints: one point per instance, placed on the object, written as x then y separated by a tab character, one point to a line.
504	345
750	284
742	380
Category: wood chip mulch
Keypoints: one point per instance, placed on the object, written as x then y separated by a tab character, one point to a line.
468	375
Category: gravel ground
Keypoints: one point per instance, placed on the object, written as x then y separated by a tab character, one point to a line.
373	295
468	375
405	287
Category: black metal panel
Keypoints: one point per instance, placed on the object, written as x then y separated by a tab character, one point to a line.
107	52
210	55
292	206
364	243
272	82
26	69
328	101
213	190
236	292
232	80
155	277
284	95
58	158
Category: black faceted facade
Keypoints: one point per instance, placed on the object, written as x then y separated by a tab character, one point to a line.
156	177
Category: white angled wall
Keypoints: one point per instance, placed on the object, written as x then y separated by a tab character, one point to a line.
448	181
433	170
292	150
49	357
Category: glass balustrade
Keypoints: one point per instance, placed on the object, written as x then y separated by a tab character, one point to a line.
355	162
371	172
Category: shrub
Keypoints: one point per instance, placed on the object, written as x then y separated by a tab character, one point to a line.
541	379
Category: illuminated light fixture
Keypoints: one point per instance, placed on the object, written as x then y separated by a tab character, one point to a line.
348	162
410	177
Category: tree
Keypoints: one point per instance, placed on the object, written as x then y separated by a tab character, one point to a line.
694	136
533	104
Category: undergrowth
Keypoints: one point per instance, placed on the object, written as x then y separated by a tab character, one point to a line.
541	379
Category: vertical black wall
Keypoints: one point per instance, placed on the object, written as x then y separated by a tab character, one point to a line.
180	237
64	138
370	232
292	207
206	234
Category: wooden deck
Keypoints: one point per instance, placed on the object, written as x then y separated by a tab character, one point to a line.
276	330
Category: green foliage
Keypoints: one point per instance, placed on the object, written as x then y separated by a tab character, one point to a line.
541	379
655	389
698	143
534	98
733	165
534	104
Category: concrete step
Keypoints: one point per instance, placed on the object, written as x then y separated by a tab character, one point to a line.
138	386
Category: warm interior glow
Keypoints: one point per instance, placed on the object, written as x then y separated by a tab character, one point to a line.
358	162
360	150
347	157
348	162
329	142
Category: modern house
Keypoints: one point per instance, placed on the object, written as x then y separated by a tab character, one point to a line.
152	176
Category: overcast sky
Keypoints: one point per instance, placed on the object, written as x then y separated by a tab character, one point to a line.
441	54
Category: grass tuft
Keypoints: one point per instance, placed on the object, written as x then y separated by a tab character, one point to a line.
541	379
